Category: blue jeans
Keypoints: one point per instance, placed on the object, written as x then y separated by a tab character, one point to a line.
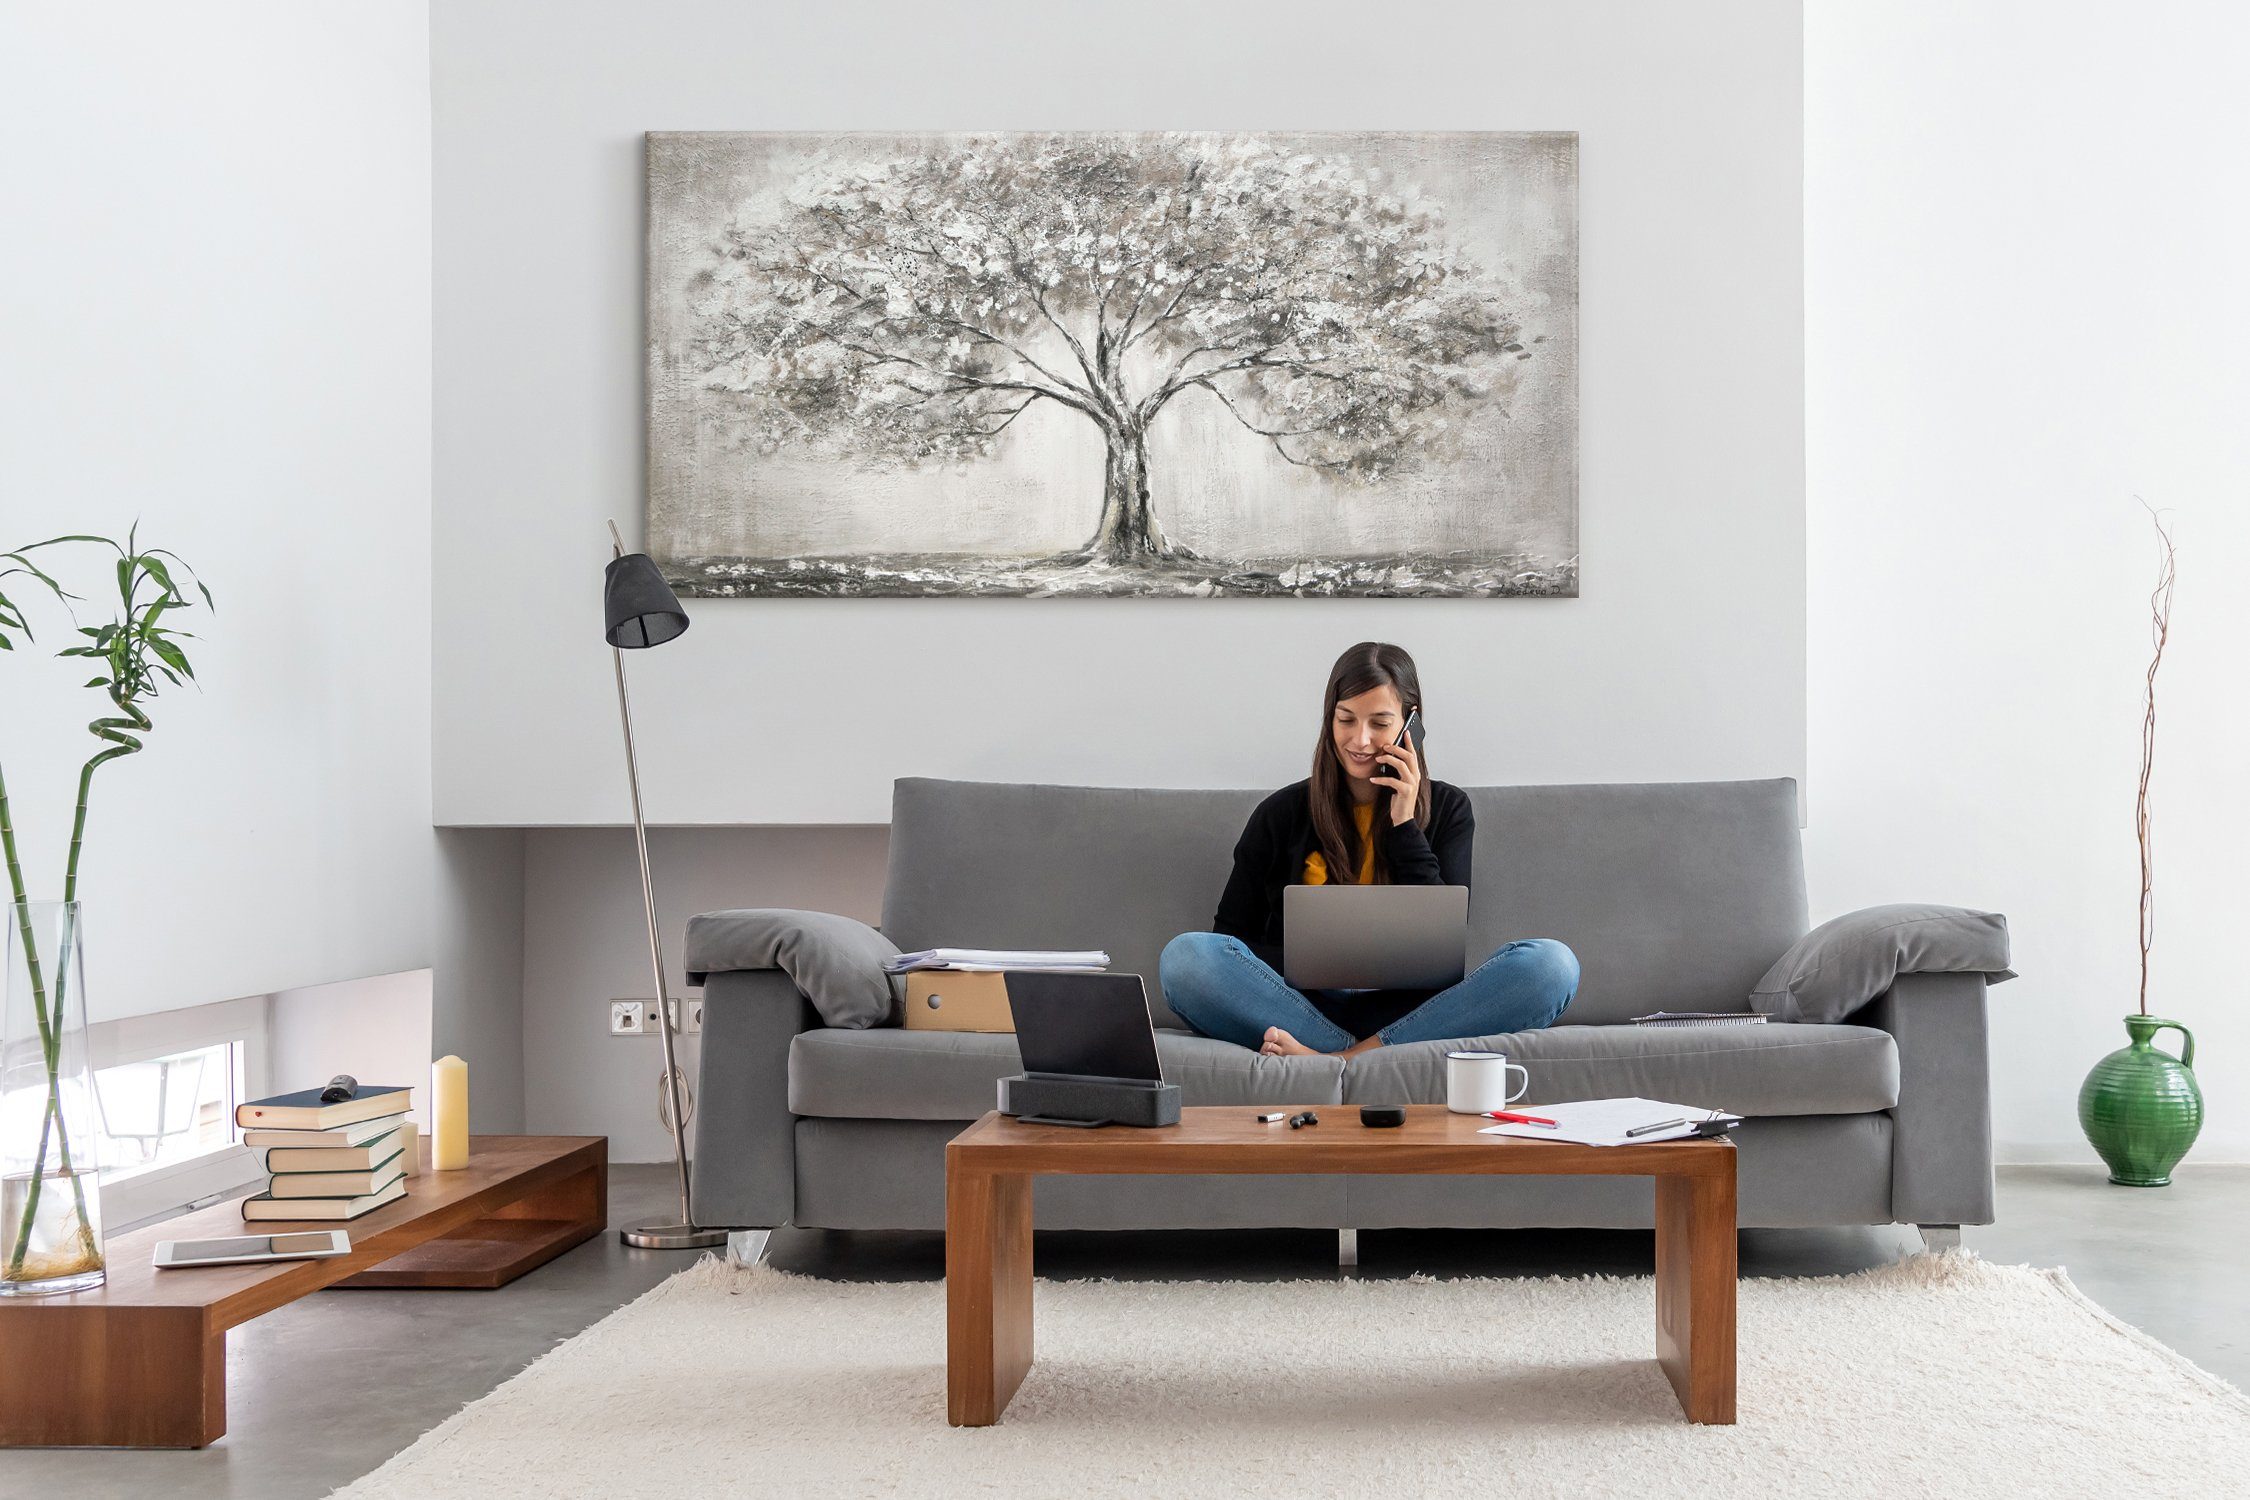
1217	985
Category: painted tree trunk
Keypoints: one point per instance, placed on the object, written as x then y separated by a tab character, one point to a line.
1128	531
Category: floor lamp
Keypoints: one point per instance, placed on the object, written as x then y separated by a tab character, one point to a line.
640	610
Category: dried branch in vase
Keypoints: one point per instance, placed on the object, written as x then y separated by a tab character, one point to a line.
2160	628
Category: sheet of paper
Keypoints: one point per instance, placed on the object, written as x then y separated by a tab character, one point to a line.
1603	1122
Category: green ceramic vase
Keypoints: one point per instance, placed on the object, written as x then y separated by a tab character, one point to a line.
2141	1107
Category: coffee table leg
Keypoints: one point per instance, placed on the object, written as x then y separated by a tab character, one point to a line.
1695	1271
987	1293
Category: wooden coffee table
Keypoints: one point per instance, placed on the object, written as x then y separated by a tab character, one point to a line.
989	1168
141	1362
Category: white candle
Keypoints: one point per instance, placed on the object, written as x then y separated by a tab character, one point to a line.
449	1114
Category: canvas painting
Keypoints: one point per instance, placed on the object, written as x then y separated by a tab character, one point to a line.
1145	365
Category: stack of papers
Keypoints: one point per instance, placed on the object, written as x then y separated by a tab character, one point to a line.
1603	1122
998	960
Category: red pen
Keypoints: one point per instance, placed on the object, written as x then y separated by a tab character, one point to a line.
1515	1119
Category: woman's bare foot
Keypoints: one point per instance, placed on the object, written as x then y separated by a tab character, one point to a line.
1279	1043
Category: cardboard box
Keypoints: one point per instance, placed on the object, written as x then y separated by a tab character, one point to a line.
952	1000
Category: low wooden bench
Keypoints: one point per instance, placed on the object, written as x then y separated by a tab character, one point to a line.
141	1361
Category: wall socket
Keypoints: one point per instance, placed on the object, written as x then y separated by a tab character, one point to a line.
638	1017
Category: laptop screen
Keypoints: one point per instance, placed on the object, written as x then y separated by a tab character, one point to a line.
1090	1025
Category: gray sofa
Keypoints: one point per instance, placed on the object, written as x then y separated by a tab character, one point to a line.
1675	897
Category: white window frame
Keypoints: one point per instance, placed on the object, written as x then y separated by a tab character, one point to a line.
146	1193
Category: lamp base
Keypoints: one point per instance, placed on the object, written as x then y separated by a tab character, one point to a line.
672	1237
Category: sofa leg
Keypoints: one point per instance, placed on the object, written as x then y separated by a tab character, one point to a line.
1347	1249
1937	1237
746	1247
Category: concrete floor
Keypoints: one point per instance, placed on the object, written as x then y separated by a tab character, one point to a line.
329	1387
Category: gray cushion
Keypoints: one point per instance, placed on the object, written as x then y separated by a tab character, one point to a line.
837	962
1673	895
1844	964
1751	1070
895	1074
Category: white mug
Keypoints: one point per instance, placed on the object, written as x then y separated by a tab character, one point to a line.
1476	1083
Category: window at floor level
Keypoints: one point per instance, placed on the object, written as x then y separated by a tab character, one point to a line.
167	1109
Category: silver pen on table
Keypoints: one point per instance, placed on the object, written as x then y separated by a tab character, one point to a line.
1666	1125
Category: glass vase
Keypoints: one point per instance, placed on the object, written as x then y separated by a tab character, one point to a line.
50	1152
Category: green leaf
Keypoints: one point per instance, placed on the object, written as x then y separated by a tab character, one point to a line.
172	655
98	682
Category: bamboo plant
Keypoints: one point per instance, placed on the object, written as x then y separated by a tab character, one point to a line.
136	651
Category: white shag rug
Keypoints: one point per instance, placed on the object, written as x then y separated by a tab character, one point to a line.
1939	1375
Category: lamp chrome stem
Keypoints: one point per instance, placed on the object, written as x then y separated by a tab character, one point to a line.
685	1235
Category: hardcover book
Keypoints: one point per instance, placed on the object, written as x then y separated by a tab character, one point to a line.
304	1111
337	1184
281	1160
344	1135
263	1206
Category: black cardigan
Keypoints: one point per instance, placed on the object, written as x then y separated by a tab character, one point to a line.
1271	854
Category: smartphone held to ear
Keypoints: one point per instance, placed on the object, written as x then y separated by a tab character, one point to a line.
1412	726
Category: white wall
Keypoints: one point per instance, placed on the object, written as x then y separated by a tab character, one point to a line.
478	995
216	294
2025	240
585	944
376	1029
1683	658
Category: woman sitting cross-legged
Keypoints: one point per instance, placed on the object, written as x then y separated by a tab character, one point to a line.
1367	815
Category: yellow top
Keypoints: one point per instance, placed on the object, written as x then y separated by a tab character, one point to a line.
1316	867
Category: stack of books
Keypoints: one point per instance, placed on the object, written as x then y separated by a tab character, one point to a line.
327	1161
998	960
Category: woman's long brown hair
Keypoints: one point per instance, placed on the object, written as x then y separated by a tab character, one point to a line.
1363	668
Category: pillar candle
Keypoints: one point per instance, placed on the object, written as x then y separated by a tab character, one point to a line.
449	1114
409	1151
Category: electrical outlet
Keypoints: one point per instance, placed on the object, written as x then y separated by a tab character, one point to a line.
690	1013
629	1018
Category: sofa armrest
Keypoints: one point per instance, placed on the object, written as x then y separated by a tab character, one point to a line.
1846	962
837	961
1941	1141
745	1163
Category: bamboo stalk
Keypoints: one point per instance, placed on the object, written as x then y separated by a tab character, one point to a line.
124	648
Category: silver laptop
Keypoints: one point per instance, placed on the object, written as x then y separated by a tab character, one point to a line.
1383	937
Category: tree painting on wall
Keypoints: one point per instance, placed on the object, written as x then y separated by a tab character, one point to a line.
1114	364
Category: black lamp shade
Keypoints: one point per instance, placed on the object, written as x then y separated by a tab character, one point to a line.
638	606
